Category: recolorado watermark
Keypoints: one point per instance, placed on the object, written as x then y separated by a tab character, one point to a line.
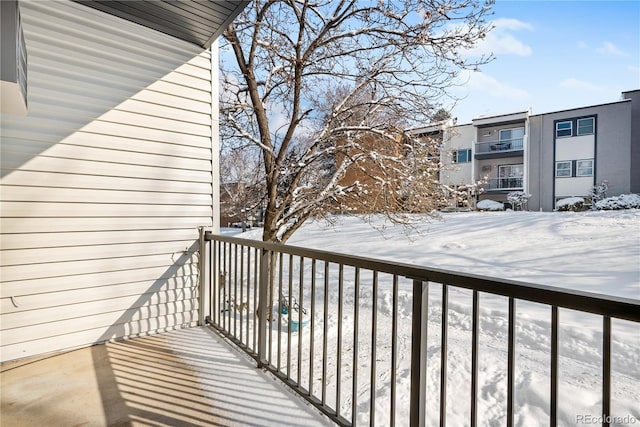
588	419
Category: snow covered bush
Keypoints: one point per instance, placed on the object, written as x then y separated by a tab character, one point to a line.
573	204
598	192
623	201
490	205
518	199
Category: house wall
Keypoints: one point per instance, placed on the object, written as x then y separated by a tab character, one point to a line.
490	168
104	182
492	133
541	164
613	147
457	138
634	158
612	143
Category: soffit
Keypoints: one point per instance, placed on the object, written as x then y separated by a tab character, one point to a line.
197	21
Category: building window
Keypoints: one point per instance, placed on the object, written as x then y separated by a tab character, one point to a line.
584	168
510	139
510	176
462	156
563	169
564	129
585	126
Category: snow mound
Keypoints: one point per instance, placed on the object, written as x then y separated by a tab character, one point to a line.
490	205
570	203
623	201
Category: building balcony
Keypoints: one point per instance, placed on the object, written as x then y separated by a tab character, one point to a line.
504	184
316	305
501	148
187	377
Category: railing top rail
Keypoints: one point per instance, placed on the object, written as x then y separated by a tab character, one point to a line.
606	305
493	141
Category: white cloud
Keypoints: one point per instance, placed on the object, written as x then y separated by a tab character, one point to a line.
576	84
609	48
511	24
582	45
634	68
500	41
481	82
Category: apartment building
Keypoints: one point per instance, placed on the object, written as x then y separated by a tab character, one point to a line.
550	156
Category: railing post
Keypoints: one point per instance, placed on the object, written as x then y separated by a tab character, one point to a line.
203	297
606	371
419	353
263	316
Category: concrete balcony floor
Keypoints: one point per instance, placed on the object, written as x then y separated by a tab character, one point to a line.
189	377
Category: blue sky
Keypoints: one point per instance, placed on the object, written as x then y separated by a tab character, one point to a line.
554	55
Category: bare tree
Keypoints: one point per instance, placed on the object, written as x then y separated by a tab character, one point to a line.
242	189
325	87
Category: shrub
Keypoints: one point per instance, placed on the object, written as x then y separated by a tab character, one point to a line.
598	192
573	204
518	199
623	201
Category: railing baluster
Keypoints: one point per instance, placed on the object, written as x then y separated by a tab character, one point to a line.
232	308
356	314
475	327
231	283
271	268
279	345
255	295
214	277
212	285
374	330
339	350
419	323
262	309
220	290
239	303
606	370
511	362
443	355
300	308
324	333
246	303
313	323
553	413
289	316
225	280
394	351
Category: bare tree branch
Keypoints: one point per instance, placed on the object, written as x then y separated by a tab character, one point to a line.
324	91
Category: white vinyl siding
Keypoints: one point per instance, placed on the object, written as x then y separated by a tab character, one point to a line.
578	147
571	187
104	182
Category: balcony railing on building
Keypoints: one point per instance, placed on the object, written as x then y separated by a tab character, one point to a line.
500	148
347	332
506	184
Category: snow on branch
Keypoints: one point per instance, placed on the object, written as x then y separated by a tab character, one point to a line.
324	91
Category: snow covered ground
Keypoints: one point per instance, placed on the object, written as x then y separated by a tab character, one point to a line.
590	251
